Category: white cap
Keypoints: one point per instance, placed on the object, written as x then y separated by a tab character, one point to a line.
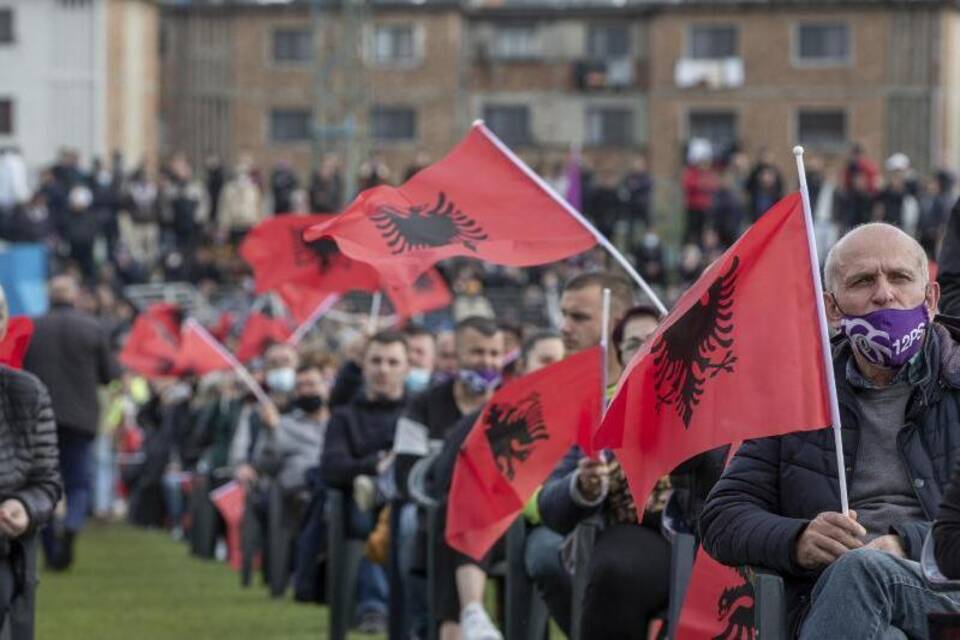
898	162
699	150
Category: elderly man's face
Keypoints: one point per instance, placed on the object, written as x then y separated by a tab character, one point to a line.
879	269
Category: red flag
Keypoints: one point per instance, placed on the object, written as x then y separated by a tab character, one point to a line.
480	201
429	293
523	432
259	332
200	353
221	330
152	346
14	344
718	604
277	253
739	357
231	502
302	300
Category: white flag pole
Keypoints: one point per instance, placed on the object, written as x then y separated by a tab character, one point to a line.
824	331
601	239
240	370
325	305
604	347
374	312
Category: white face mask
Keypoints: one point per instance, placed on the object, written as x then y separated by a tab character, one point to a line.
281	380
418	379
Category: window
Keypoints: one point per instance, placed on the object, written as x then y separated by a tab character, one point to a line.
822	128
823	43
393	123
516	42
719	127
6	117
510	122
6	26
290	125
611	127
709	42
608	41
292	46
394	44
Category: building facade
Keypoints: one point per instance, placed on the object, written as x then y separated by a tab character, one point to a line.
81	74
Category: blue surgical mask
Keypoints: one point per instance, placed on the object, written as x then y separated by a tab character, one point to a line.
418	379
281	380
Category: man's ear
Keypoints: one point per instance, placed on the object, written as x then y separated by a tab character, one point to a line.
834	315
932	297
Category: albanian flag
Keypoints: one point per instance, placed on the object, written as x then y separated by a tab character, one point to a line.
14	344
200	353
153	344
428	293
277	253
480	201
719	602
522	434
231	502
260	332
739	357
302	301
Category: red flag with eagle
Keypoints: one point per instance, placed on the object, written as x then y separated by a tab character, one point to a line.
739	357
428	293
480	201
523	432
259	332
278	254
152	346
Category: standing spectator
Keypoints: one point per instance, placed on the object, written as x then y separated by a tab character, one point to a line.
184	204
858	164
764	184
699	185
240	204
855	204
29	479
601	203
71	356
283	184
326	187
80	230
894	204
935	211
140	226
636	193
13	181
728	213
214	183
420	161
649	258
373	172
104	205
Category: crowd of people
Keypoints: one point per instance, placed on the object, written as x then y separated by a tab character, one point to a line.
358	409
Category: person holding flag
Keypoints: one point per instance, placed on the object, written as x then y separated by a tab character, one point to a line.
855	574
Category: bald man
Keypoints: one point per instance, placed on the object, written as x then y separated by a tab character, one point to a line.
855	574
71	355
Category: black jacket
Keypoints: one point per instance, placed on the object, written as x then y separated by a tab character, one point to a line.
775	486
70	353
357	435
29	470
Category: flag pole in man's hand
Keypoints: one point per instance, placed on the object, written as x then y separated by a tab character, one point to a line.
824	331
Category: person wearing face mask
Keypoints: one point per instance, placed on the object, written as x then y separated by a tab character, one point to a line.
855	574
423	349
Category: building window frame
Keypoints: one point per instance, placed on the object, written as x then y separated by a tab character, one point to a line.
8	26
399	110
417	51
526	138
605	140
533	50
692	27
272	125
593	27
8	116
801	62
712	109
275	61
836	146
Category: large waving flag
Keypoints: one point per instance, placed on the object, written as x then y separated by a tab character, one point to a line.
739	357
479	201
428	293
522	434
14	345
259	332
153	344
200	353
278	254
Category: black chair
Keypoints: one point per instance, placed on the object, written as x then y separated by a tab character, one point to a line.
416	486
769	604
251	540
204	519
20	621
343	564
279	540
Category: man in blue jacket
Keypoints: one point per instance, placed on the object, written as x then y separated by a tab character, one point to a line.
777	505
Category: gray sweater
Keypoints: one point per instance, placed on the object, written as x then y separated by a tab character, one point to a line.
286	452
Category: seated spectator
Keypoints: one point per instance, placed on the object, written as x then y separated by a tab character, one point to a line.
423	351
855	574
359	443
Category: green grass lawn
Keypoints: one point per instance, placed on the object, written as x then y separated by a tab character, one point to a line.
133	584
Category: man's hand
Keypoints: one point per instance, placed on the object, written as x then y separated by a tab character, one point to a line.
270	415
889	543
244	474
13	518
827	537
590	477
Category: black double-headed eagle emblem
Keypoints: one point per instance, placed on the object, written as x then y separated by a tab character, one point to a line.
321	251
513	430
686	355
422	226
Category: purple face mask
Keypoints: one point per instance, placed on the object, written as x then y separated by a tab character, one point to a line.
887	337
480	381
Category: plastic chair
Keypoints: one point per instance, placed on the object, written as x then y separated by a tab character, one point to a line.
278	541
343	564
20	621
769	604
251	540
526	613
416	486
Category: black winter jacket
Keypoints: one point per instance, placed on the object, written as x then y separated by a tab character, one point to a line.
357	435
775	486
29	469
